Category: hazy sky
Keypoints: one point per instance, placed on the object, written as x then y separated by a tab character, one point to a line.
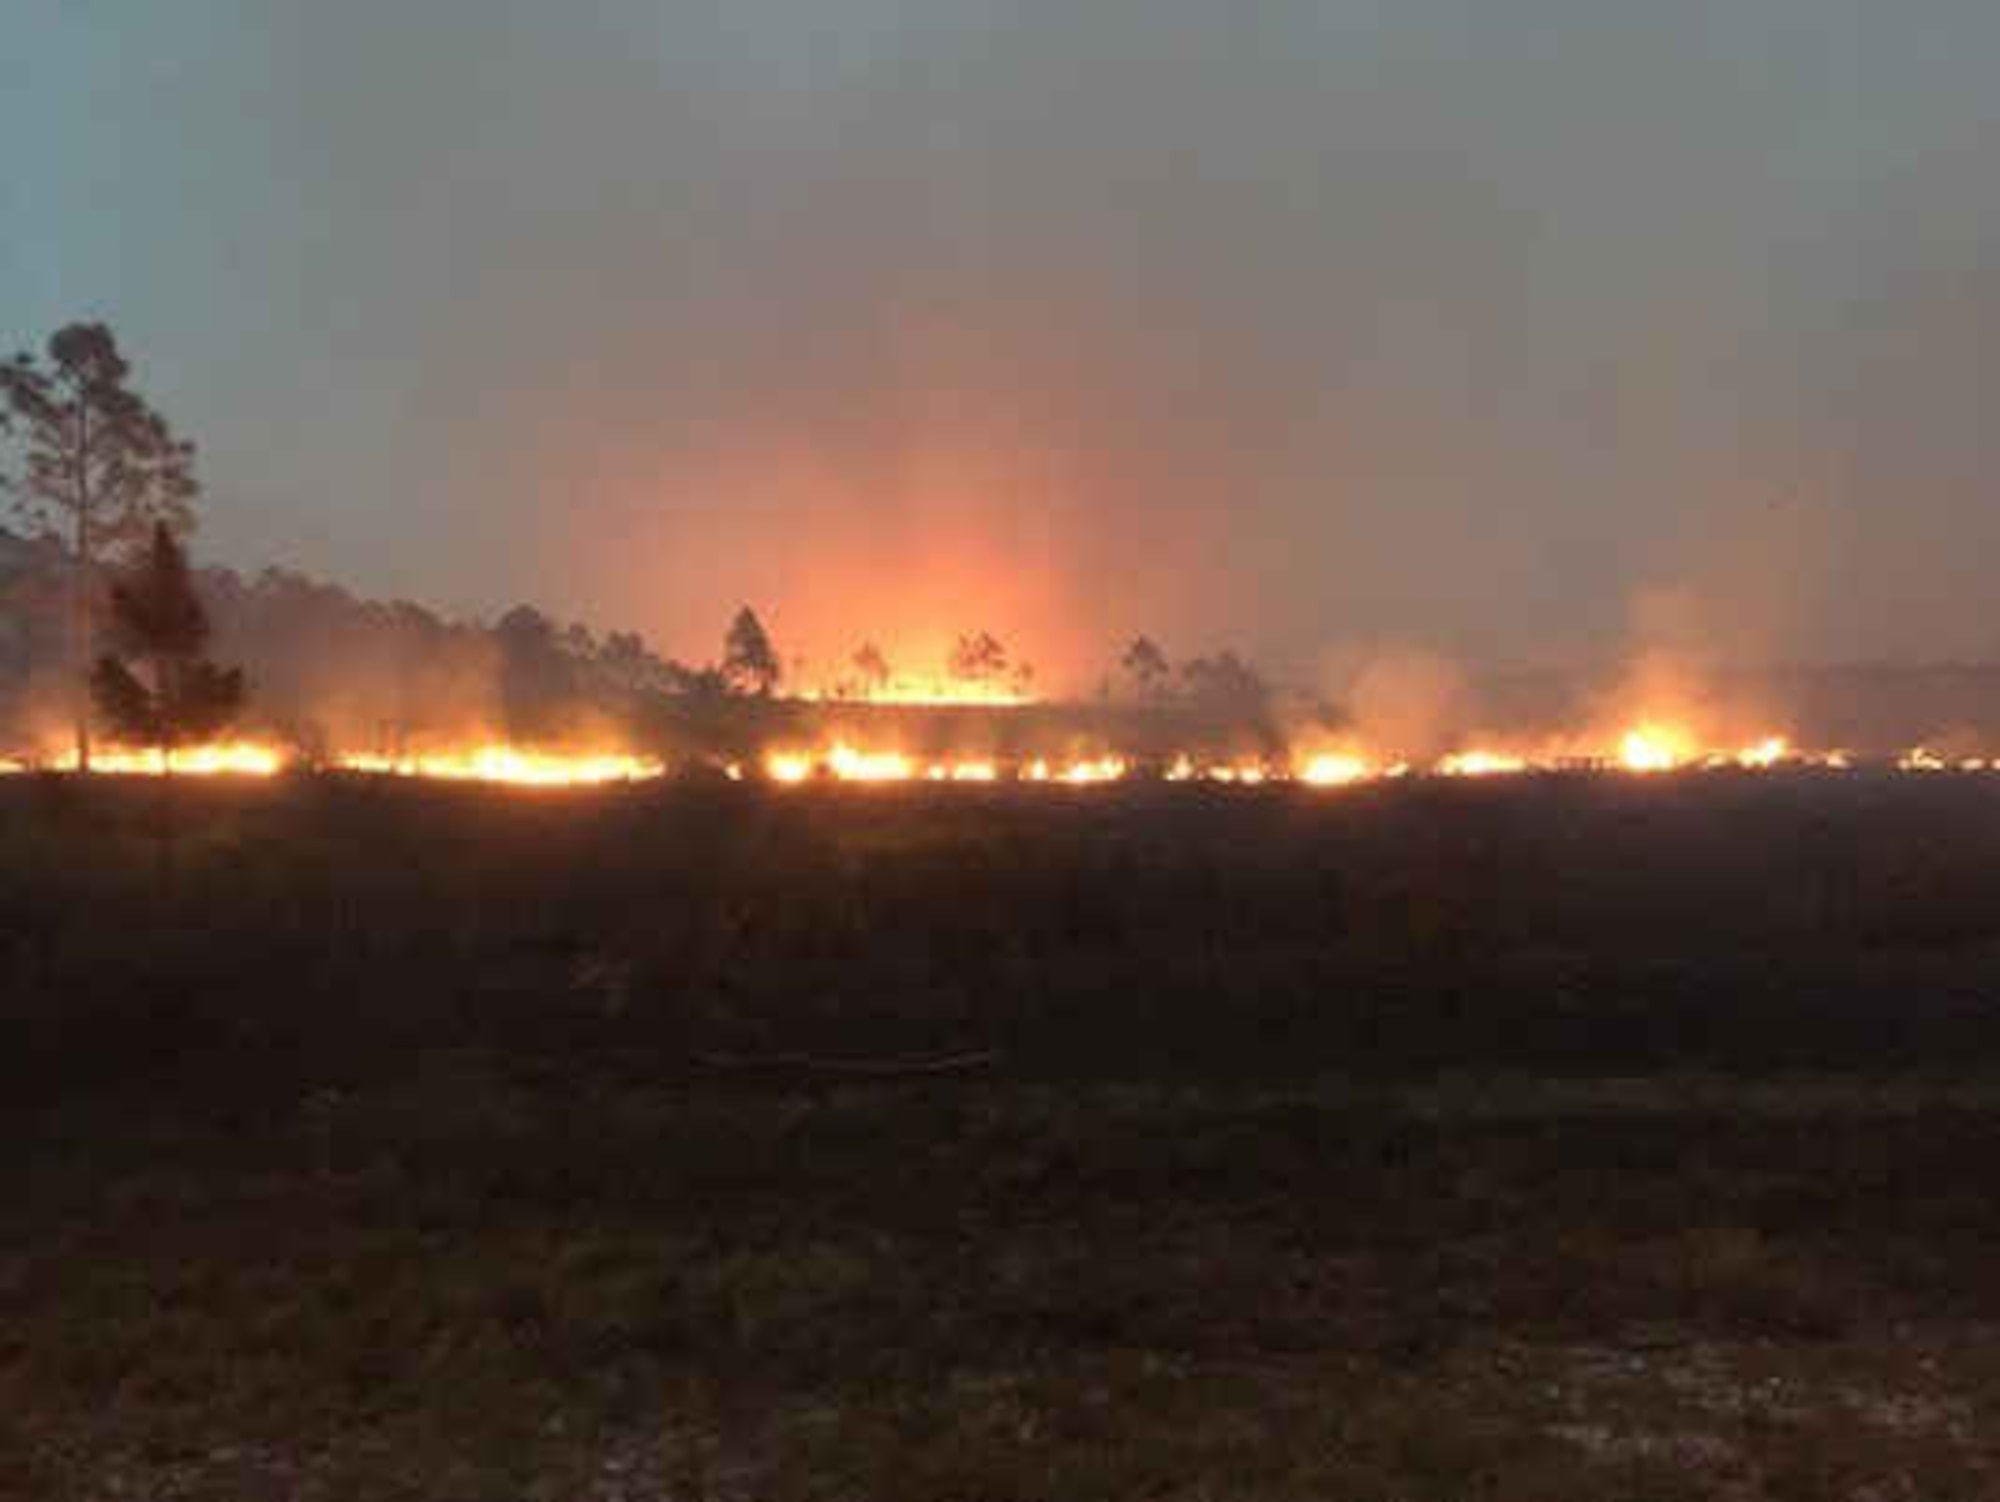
1515	328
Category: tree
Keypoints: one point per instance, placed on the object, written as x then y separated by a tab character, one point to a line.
749	661
1225	684
872	668
537	678
158	619
97	465
978	657
1147	665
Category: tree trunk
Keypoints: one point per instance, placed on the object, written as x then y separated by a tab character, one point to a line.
80	623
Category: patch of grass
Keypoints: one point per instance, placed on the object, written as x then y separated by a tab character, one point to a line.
983	1290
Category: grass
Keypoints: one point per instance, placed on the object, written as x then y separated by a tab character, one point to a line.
1004	1290
378	1157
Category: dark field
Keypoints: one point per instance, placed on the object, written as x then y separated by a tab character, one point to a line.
1592	1138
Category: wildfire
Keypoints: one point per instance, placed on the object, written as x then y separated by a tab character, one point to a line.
1085	773
1652	748
850	765
842	762
1335	769
508	764
963	771
1481	764
1248	775
1766	753
1644	748
217	759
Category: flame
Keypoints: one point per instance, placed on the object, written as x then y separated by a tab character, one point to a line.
1243	773
206	759
850	765
502	763
843	763
964	771
1335	769
788	767
1766	753
1648	746
1478	763
1653	748
1087	773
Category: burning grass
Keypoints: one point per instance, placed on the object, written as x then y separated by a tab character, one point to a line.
1649	747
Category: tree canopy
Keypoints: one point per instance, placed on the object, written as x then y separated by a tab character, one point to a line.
1147	665
749	661
92	458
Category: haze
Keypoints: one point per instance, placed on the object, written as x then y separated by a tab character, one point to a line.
1525	332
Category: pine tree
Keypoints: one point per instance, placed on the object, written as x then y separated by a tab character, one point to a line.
749	661
158	621
97	464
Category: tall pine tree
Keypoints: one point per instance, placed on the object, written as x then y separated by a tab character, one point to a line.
97	465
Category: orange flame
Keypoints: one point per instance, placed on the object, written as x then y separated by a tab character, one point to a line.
1335	769
207	759
502	763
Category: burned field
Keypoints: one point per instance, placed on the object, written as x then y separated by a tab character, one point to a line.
1545	1137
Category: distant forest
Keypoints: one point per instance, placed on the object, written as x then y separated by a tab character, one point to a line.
330	670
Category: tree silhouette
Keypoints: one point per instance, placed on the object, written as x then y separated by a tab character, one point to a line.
97	465
1147	665
749	661
158	620
1225	684
978	657
872	668
537	676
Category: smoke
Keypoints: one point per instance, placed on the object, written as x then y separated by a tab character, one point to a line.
1333	323
1407	698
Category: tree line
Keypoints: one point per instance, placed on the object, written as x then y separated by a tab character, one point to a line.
103	619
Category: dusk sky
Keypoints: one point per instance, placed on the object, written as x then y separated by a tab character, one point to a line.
1522	330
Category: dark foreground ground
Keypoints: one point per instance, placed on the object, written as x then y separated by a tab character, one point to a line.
1554	1139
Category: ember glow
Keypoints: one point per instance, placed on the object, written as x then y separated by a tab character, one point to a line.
932	693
